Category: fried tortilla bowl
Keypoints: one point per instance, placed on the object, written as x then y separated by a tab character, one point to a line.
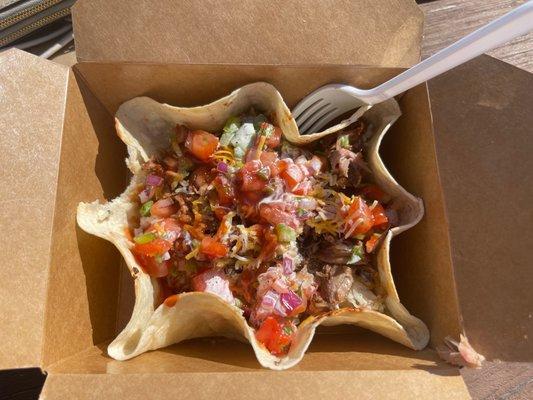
144	125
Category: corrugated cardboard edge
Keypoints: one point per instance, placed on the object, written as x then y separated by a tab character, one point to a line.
385	33
33	105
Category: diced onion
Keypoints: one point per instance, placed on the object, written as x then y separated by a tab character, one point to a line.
307	203
165	256
166	202
222	167
154	180
290	300
288	265
280	309
280	286
144	196
269	300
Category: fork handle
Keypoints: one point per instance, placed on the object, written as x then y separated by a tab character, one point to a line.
515	23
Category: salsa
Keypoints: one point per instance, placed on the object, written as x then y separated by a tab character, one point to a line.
281	232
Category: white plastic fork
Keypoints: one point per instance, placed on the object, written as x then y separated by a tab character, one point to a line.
330	101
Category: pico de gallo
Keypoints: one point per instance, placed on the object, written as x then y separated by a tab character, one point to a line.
279	231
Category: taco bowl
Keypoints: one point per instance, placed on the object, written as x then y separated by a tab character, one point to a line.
188	277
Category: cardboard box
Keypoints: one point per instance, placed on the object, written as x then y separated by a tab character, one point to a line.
462	144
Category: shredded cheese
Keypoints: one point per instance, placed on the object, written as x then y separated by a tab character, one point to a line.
262	140
327	226
192	253
353	227
224	155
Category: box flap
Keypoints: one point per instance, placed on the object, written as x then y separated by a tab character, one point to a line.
483	136
264	385
357	32
32	102
209	368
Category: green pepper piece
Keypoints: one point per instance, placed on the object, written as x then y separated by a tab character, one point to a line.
146	207
285	233
144	238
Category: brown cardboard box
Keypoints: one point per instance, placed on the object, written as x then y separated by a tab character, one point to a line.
463	147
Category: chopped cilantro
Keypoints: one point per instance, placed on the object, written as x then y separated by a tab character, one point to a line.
266	129
344	141
285	233
263	173
358	253
287	330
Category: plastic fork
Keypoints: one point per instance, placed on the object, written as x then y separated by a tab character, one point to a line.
330	101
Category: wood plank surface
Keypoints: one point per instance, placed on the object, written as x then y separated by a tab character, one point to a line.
500	380
450	20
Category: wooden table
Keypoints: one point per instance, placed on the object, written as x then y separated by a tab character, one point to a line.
446	21
449	20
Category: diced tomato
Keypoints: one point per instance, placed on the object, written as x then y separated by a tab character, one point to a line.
268	248
223	228
171	225
151	266
279	213
195	232
220	212
302	188
370	244
274	139
201	144
163	208
224	188
292	175
359	213
273	336
269	159
378	214
171	301
155	247
283	164
373	192
251	181
212	248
